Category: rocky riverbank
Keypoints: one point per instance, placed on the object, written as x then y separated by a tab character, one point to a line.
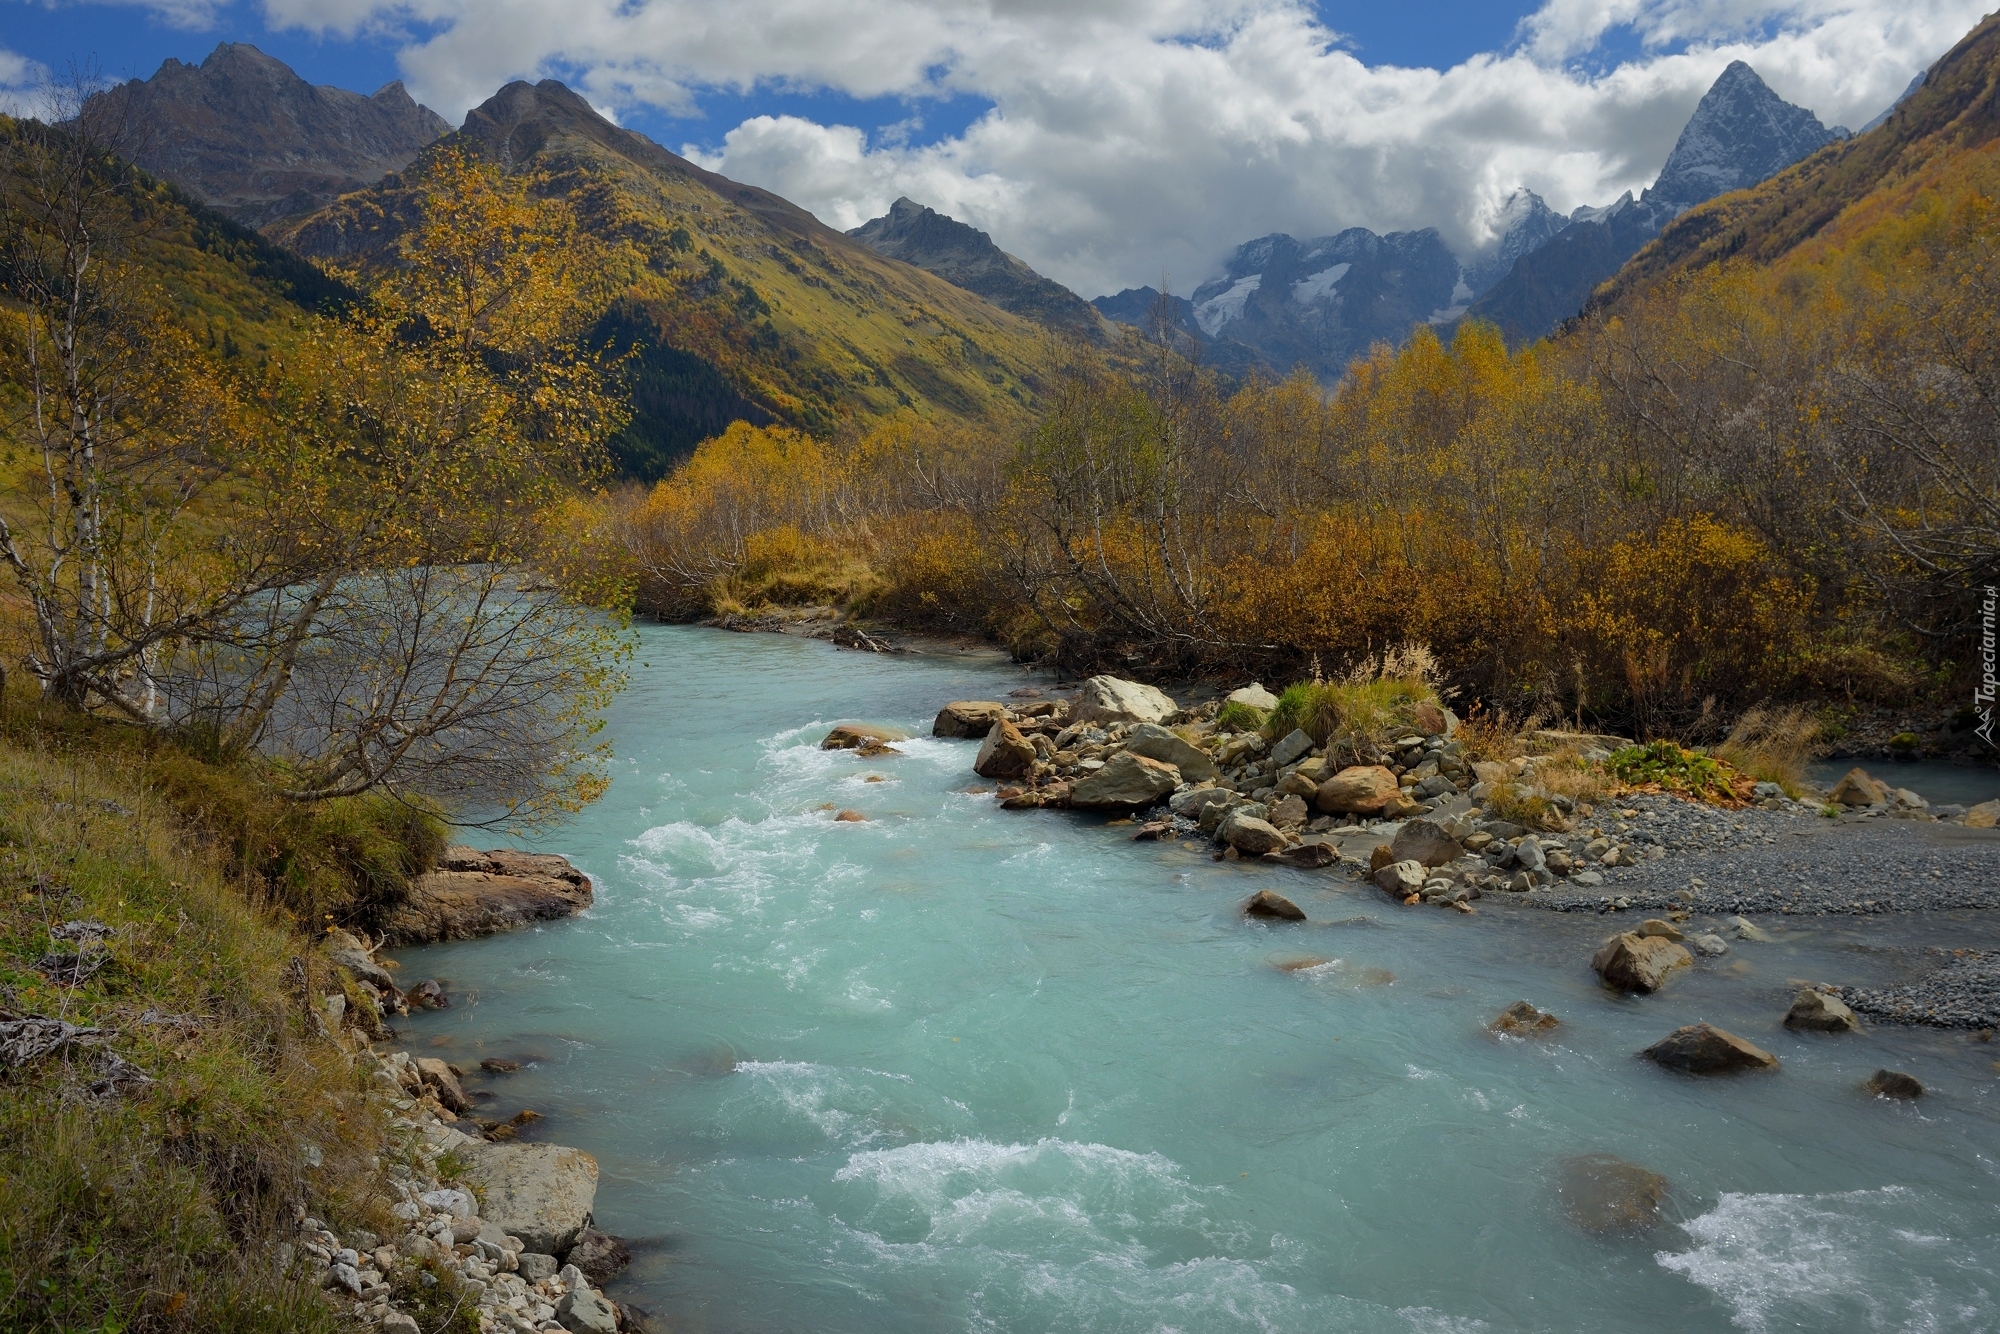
496	1234
1413	813
488	1232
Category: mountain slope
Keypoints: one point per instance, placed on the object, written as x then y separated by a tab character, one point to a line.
1740	133
246	135
1955	113
966	257
745	305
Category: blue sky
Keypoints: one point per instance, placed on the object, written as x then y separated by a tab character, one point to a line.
126	41
1105	141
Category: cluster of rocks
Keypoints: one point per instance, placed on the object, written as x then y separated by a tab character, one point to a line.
511	1228
473	894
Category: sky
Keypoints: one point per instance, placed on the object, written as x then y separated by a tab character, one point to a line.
1110	143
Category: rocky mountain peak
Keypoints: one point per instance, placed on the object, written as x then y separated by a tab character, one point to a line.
1740	133
966	257
243	132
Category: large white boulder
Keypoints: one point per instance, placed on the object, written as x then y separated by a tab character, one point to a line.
541	1193
1111	699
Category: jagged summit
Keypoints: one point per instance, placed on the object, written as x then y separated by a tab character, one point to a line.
245	134
1525	222
966	257
1741	132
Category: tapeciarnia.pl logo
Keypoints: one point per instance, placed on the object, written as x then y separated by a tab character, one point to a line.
1983	693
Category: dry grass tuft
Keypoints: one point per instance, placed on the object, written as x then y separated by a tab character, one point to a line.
1772	745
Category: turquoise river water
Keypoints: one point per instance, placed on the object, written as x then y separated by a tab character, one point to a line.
962	1069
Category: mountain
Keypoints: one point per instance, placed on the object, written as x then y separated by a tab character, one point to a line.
1282	303
966	257
1526	223
245	134
1934	135
1740	134
742	305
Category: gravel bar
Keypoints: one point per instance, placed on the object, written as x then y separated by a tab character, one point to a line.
1963	993
1791	861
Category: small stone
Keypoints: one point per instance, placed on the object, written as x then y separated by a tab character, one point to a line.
1745	929
1816	1012
1661	930
1521	1019
1250	836
585	1312
1383	855
1292	746
1709	943
850	817
499	1065
1267	904
1703	1049
1589	879
344	1276
535	1266
1858	789
1893	1084
397	1323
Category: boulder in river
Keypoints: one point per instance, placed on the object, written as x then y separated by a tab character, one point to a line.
1427	842
1522	1020
1893	1084
1856	788
1310	854
1986	815
1400	879
1111	699
1277	907
1126	782
1703	1049
1632	962
541	1193
862	736
968	719
1195	800
599	1255
1601	1193
850	817
474	894
1816	1012
1157	743
1249	835
442	1081
1660	929
1360	789
1005	753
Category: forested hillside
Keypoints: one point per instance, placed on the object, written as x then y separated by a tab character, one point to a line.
741	305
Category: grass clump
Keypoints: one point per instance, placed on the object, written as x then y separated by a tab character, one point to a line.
1772	745
1236	716
148	1177
434	1297
1377	697
1669	766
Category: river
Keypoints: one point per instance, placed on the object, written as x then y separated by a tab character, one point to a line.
961	1069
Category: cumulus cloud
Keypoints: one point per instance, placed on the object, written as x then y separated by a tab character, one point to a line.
21	84
1130	138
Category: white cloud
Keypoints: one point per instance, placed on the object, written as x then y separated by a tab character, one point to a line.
22	82
1126	137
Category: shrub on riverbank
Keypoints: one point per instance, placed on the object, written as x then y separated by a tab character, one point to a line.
1721	496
